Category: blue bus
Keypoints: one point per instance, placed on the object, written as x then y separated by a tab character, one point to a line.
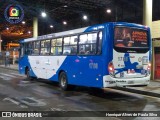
105	55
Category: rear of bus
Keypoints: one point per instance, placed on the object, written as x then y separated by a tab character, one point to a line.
131	56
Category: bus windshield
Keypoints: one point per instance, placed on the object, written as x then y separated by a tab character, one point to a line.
126	37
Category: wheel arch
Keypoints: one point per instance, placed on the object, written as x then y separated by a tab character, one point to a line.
60	72
26	69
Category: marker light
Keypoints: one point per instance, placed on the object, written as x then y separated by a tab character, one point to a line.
111	68
149	66
148	69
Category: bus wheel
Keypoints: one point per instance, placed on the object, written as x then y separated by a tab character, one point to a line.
63	81
28	75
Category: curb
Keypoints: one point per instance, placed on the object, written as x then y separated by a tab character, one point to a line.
139	91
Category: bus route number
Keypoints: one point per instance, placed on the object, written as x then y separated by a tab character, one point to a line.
123	59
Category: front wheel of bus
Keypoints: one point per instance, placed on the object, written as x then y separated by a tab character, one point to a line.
28	75
63	81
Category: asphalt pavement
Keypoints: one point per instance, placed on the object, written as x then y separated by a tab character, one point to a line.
153	89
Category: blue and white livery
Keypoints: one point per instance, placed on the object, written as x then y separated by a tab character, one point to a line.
105	55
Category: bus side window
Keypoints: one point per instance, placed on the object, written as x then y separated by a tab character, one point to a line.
73	50
70	45
28	48
66	47
99	43
82	42
87	44
36	48
45	47
73	44
56	46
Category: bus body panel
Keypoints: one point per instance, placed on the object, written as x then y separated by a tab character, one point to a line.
121	66
84	70
80	70
92	71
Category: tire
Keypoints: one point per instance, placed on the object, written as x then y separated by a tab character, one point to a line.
29	78
63	81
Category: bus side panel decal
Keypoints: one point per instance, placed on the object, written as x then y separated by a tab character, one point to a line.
45	66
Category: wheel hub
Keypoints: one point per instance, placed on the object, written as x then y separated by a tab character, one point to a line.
63	81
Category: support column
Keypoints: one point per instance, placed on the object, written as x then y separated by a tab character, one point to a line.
147	20
35	27
153	61
147	12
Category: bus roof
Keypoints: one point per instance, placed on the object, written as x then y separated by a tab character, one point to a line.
52	35
81	30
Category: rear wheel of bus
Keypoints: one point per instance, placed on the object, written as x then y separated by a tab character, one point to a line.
63	82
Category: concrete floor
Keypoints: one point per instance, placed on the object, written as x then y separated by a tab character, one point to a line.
42	95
